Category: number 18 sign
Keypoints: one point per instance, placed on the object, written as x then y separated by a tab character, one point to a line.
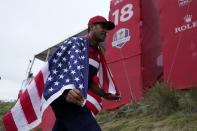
126	36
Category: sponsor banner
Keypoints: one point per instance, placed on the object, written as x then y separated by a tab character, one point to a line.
123	51
152	66
178	22
124	40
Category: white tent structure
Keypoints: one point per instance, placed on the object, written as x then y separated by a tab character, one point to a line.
44	55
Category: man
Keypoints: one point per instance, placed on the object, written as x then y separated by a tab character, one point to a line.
69	109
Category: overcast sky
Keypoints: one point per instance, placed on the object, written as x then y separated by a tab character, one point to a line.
28	27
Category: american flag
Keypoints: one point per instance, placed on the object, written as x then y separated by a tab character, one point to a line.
106	82
66	69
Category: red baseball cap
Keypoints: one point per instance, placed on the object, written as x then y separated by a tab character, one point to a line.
100	19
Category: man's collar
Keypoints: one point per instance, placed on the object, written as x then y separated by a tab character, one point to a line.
93	47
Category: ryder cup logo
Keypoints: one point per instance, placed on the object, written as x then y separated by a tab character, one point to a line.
184	2
120	38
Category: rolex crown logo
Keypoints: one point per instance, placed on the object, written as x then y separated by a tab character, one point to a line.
188	18
184	2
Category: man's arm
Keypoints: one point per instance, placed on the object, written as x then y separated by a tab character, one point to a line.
75	96
100	92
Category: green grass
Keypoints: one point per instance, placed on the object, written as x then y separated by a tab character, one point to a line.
168	110
4	107
146	121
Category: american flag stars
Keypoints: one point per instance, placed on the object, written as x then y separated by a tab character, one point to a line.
60	65
61	76
74	38
69	52
59	53
70	42
49	78
64	58
67	65
51	89
54	61
78	67
67	80
55	71
73	72
65	70
56	83
73	46
77	51
78	44
77	79
72	56
81	86
75	62
82	57
62	47
84	49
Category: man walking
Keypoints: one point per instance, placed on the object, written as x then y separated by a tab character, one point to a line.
70	111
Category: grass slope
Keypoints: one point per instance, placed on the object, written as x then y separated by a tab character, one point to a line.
4	107
147	121
168	110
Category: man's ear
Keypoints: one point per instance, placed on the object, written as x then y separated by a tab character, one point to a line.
91	27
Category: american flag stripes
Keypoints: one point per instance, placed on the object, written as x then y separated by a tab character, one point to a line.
66	69
106	82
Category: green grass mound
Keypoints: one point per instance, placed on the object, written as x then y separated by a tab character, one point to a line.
160	110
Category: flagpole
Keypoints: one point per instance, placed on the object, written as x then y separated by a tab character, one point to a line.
125	70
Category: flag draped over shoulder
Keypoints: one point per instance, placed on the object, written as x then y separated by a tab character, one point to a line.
66	69
106	82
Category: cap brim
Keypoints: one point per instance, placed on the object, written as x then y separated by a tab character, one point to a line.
109	25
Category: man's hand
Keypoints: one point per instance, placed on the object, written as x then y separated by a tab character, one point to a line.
74	96
95	89
110	96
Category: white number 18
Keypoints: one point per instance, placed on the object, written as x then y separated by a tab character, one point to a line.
126	13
